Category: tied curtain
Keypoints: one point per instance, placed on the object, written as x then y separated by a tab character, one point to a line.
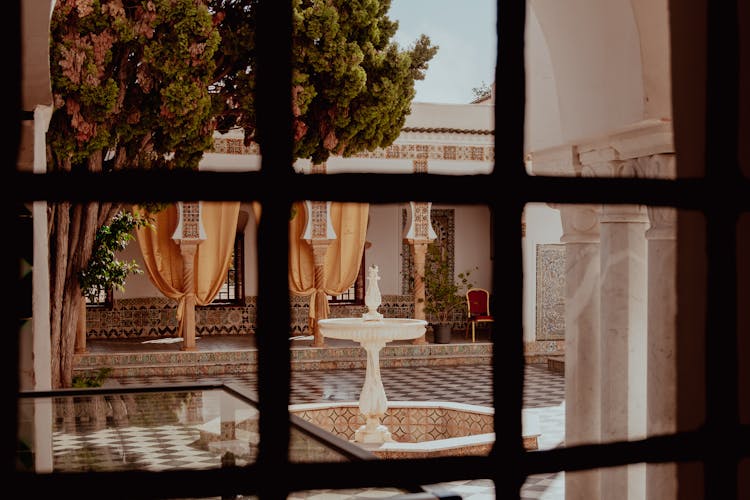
343	257
163	259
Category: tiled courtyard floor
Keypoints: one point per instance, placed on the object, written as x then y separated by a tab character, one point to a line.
543	396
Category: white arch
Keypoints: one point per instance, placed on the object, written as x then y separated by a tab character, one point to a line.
609	63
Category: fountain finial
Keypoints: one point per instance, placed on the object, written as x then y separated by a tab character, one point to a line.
372	295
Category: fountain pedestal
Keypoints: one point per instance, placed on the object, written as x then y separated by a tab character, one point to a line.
372	335
372	331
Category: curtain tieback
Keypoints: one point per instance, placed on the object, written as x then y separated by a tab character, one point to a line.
319	307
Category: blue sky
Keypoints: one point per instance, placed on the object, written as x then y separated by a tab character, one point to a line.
465	33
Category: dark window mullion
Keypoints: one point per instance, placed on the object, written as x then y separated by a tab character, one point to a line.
274	45
507	207
722	172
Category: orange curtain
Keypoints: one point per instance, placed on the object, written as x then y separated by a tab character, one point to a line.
343	257
163	260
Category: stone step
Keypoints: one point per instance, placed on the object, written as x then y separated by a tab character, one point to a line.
140	364
556	363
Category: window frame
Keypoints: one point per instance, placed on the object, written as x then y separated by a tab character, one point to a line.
357	288
274	37
107	303
238	263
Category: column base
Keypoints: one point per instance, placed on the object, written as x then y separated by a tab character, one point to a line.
380	434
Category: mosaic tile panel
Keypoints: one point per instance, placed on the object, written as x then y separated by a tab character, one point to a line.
407	425
443	222
392	306
432	152
142	362
539	350
157	317
550	291
234	146
191	216
396	151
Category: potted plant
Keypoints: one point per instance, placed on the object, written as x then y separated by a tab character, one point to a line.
444	293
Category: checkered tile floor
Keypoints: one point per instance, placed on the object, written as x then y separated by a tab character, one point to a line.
151	448
543	396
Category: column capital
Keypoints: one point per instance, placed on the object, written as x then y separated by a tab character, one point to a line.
189	228
663	223
318	225
661	166
580	223
419	222
623	214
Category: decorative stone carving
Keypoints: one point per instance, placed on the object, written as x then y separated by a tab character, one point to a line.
419	222
318	225
189	226
550	292
580	223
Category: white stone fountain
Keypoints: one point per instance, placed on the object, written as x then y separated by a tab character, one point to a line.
372	331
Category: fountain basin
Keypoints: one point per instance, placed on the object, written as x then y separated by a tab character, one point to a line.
376	330
420	429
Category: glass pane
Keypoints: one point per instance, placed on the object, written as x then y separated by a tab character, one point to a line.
436	388
600	310
138	339
436	116
149	431
600	338
196	429
589	113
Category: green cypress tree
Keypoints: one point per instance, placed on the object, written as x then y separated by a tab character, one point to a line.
143	84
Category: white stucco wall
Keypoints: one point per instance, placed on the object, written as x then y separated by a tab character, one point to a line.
542	125
384	234
136	285
542	226
595	51
472	243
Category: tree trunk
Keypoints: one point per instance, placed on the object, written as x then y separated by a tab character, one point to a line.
58	266
72	234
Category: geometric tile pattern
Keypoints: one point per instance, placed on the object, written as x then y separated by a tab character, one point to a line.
148	448
550	291
156	317
443	222
394	151
407	425
472	384
233	354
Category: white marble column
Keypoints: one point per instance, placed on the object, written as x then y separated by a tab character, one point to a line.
661	479
41	358
623	341
582	368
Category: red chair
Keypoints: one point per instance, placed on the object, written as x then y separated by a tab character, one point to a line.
478	302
